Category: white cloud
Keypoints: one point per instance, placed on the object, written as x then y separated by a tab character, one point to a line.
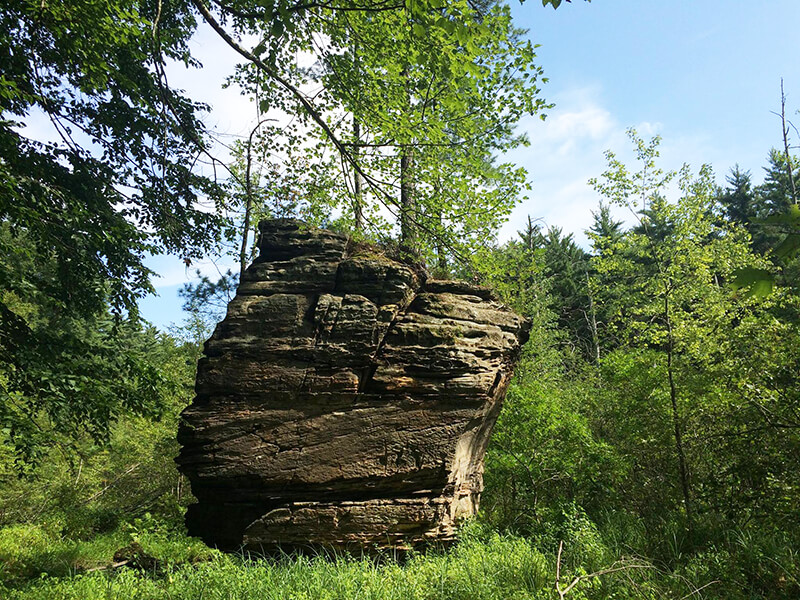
566	151
647	130
232	113
173	271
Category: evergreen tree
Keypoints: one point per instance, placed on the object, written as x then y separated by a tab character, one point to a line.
779	226
605	232
776	192
738	200
654	222
745	205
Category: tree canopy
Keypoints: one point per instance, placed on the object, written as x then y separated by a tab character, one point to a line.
399	117
103	162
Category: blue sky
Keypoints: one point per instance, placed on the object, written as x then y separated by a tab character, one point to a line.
703	74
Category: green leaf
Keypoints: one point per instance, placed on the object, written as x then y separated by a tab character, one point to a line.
789	247
277	28
759	282
790	217
260	48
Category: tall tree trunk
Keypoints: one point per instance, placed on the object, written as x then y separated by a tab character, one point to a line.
358	193
408	207
676	420
248	206
788	156
441	258
592	319
441	250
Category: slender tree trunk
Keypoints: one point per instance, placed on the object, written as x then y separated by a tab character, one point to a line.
358	193
676	421
592	320
785	130
248	206
644	184
248	197
408	207
441	259
441	250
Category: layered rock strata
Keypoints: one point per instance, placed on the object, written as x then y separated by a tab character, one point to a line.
345	401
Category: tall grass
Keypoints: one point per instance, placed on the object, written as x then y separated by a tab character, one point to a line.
483	565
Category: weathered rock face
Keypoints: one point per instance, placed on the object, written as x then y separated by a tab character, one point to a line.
343	401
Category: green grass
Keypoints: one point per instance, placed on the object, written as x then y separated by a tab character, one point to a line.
37	564
486	566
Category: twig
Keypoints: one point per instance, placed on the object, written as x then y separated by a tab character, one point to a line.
115	565
698	590
563	592
785	132
96	495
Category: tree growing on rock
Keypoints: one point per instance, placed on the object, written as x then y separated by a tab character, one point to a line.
411	105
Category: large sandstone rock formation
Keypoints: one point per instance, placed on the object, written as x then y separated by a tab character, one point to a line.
344	401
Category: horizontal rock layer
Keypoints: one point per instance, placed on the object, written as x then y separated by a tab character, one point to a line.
344	401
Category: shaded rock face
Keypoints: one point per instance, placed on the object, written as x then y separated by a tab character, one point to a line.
344	401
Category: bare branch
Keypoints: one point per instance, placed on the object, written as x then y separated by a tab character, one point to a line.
785	131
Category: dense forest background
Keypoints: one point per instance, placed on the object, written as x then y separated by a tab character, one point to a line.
650	441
